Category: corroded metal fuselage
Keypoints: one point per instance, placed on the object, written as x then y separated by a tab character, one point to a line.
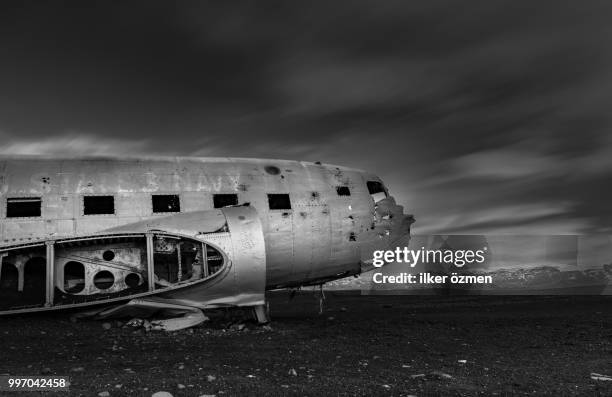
319	221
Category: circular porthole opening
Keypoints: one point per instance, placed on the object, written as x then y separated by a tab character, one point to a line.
108	255
132	280
104	279
272	170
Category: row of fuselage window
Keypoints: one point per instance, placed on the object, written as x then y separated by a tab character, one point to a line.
30	207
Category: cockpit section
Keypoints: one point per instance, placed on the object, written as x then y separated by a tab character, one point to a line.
377	191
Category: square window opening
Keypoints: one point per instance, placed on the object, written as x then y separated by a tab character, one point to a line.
279	201
98	205
343	191
166	203
23	207
224	200
376	187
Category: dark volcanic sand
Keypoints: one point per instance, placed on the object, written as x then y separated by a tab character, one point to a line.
361	345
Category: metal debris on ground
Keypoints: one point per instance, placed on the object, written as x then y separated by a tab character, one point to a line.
596	376
440	375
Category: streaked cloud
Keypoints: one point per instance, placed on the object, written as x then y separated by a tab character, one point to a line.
489	116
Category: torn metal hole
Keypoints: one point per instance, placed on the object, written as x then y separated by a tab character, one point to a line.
272	170
108	255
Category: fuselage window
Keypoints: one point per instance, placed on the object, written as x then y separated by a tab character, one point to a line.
23	207
279	201
343	191
224	200
166	203
98	205
376	190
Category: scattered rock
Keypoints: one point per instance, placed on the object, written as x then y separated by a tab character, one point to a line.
180	386
250	376
210	378
106	326
103	394
462	361
343	309
118	386
331	318
386	386
161	394
292	372
266	328
285	386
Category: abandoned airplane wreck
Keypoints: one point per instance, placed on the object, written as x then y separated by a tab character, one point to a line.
188	232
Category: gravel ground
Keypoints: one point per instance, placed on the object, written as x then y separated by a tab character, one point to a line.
360	345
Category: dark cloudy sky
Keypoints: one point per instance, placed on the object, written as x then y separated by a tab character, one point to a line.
481	116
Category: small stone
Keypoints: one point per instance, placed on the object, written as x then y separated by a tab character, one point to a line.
77	369
103	394
331	318
285	386
386	386
462	361
45	370
181	366
161	394
118	386
106	326
180	386
292	372
210	378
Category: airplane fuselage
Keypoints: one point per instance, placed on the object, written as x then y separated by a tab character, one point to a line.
319	221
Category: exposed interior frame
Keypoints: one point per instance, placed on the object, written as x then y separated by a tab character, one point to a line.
50	271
